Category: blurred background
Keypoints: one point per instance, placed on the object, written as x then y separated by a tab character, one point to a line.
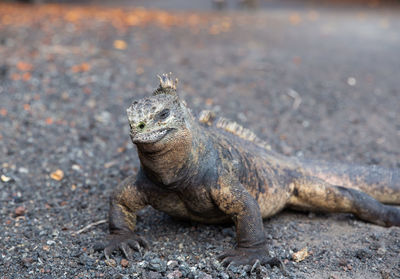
221	4
298	65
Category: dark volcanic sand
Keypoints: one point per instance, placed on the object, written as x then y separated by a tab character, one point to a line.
317	83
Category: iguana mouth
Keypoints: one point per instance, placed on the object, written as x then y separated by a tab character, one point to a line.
151	137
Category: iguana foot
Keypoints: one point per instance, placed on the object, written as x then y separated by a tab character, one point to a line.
123	242
248	256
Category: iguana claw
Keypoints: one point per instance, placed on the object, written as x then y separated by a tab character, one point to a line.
123	242
248	256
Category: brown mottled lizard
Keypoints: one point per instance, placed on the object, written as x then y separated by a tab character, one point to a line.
214	171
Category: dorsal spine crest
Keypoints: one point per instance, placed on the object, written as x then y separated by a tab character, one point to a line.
207	117
235	129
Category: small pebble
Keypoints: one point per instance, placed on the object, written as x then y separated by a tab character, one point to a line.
171	264
20	210
124	263
57	175
111	262
300	255
351	81
5	178
158	265
174	274
23	170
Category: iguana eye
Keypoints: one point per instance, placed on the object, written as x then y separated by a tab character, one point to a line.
164	114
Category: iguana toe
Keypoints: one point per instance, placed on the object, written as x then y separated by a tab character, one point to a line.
247	256
125	243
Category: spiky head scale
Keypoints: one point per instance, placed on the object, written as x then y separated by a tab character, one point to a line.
167	85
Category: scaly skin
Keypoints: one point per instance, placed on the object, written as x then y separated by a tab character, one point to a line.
217	172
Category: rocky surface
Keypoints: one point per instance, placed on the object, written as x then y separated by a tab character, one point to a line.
314	82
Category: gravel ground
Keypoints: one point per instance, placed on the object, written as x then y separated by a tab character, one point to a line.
314	82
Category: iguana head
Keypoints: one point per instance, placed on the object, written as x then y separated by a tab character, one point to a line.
160	119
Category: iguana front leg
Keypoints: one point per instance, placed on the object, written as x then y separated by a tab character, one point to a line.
234	200
126	200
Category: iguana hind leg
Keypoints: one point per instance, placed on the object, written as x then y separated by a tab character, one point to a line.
315	194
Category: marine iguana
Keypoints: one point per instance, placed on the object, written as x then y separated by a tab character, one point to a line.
215	171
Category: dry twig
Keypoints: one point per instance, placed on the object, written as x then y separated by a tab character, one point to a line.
89	226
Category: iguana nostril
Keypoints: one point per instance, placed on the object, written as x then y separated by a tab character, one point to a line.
141	125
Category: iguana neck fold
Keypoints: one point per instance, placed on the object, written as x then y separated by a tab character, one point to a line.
170	161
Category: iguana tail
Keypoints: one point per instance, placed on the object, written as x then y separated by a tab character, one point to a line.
383	184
